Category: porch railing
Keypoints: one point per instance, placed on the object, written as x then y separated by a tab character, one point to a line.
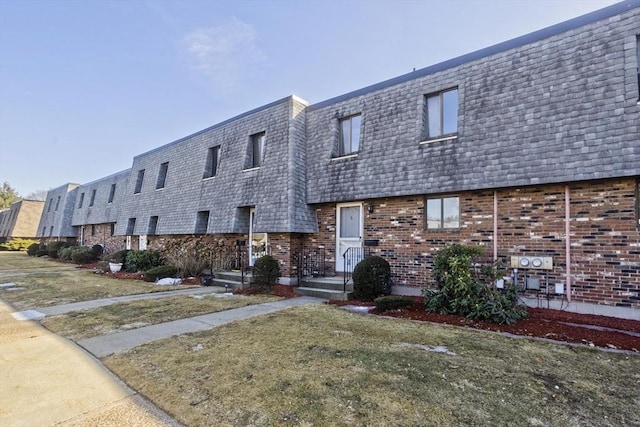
351	257
311	262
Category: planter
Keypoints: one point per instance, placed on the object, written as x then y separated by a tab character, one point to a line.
114	267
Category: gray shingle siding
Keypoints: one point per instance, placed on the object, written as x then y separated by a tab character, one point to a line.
560	109
235	188
102	211
61	218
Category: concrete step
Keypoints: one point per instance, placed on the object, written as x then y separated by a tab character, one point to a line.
235	276
231	284
330	283
324	293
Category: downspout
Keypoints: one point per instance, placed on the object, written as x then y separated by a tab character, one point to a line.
495	225
567	240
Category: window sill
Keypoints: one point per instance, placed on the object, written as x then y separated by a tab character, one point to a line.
209	178
444	138
346	156
161	188
251	169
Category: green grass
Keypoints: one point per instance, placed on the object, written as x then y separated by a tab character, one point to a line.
83	324
319	365
48	283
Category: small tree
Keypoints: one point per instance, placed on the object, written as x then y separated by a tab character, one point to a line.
8	195
266	272
371	278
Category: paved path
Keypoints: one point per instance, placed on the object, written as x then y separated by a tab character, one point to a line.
46	380
105	345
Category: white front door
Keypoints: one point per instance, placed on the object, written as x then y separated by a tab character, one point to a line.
257	241
349	228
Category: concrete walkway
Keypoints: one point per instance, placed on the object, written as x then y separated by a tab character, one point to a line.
105	345
46	380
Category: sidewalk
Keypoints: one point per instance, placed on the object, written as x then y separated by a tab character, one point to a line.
46	380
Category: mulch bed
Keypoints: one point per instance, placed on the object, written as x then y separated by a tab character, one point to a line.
591	330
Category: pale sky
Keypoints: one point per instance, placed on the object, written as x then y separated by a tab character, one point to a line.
87	85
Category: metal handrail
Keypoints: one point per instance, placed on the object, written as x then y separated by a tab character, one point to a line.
351	257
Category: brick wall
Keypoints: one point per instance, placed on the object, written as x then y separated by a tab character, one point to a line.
605	243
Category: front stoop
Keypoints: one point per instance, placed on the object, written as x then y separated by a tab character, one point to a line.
232	279
331	288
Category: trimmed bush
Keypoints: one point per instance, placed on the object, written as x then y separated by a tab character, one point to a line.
33	249
266	272
393	302
82	255
160	272
67	253
142	260
97	251
42	252
54	247
371	278
17	244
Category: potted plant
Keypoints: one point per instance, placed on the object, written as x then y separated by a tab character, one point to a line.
116	260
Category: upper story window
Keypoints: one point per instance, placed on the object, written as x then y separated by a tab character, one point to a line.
162	175
153	225
49	209
57	203
112	193
81	200
131	226
211	167
51	231
256	150
442	114
638	60
350	135
93	197
202	222
139	181
442	213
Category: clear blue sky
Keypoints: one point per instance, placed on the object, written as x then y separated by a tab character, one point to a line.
87	85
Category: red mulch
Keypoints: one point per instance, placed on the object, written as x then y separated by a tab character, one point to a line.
592	330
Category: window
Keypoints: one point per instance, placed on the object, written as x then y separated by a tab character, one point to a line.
257	150
139	181
112	193
57	203
93	197
202	222
44	230
93	229
350	135
153	225
442	213
442	114
49	209
131	226
113	229
211	167
81	200
162	175
51	231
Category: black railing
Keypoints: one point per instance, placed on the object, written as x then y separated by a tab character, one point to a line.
351	257
311	262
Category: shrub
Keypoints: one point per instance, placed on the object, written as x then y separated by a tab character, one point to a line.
190	255
82	255
97	251
458	290
42	252
54	247
67	253
371	278
17	244
118	257
160	272
33	249
142	260
266	272
393	302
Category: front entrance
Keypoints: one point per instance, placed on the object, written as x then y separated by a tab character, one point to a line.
257	241
349	230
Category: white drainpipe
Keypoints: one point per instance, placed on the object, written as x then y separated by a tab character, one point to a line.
495	225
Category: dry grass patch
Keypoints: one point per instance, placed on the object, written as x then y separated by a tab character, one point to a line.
49	283
319	365
83	324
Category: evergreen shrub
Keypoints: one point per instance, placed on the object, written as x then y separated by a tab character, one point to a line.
266	272
160	272
371	278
